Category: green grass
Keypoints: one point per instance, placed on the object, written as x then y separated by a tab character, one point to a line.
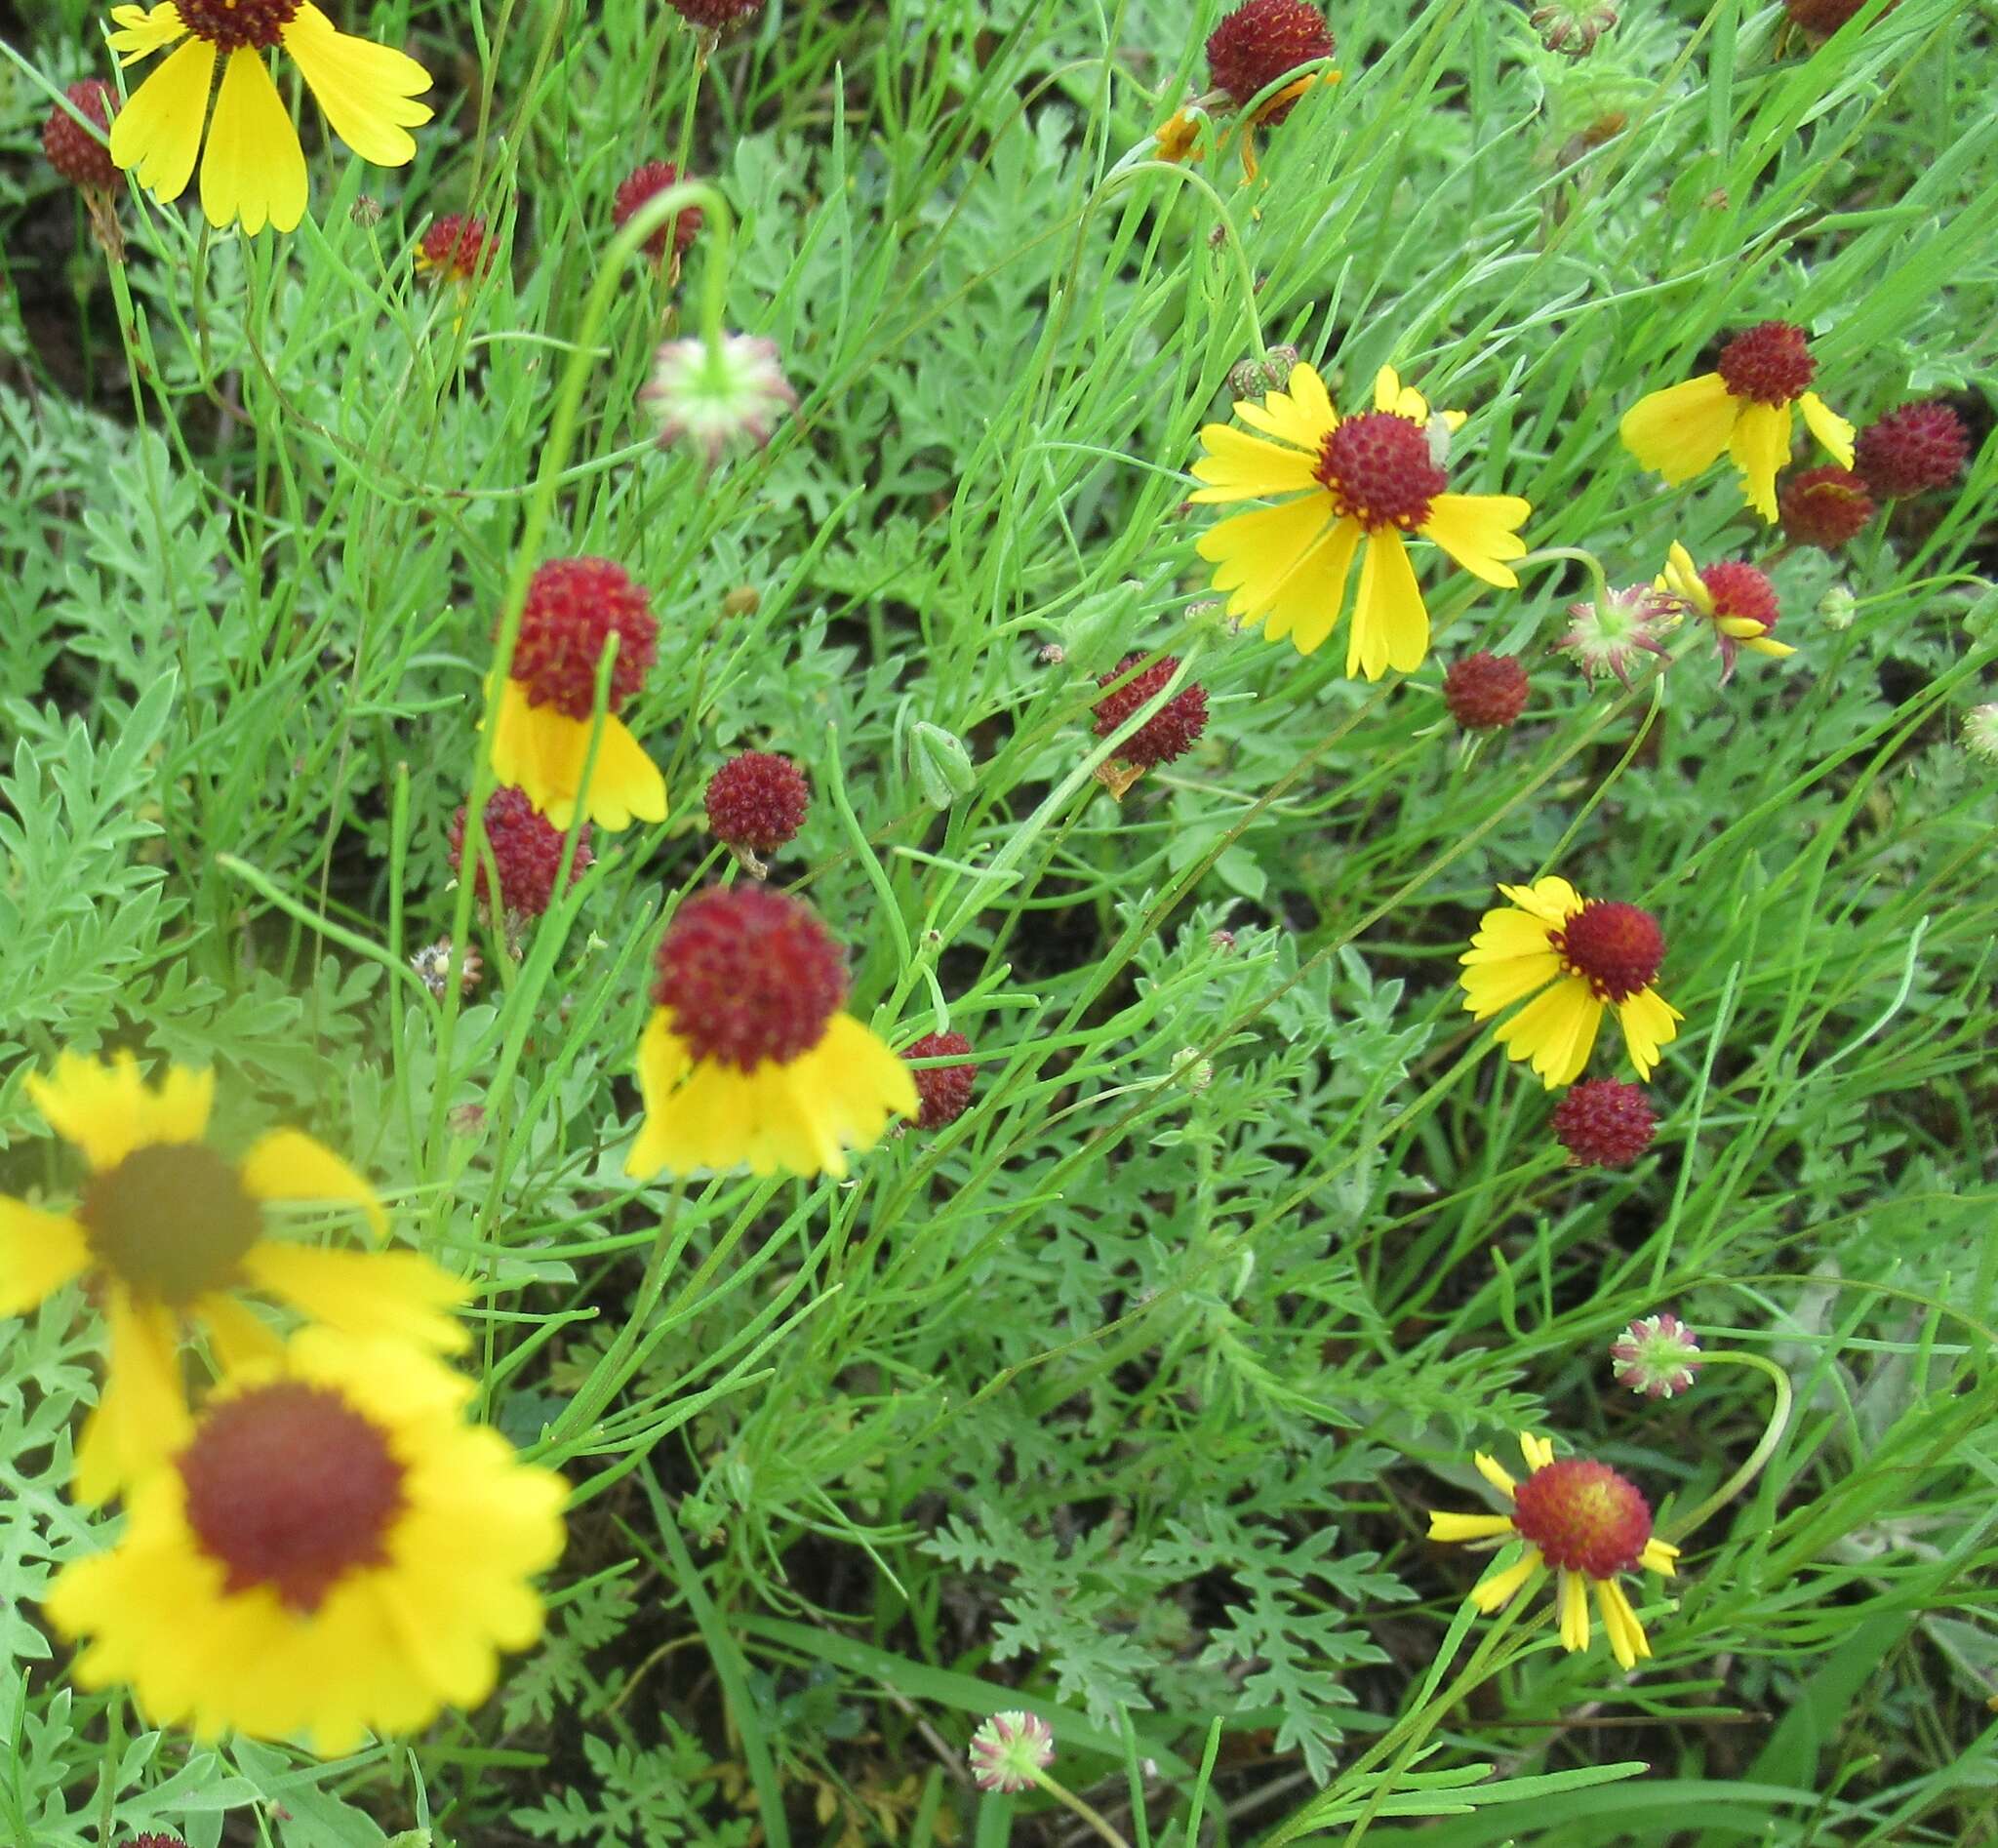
1121	1400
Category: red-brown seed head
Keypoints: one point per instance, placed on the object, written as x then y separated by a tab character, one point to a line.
1485	692
1171	732
231	25
289	1486
1914	449
574	607
712	15
943	1092
456	248
74	153
1770	364
1614	948
1377	469
527	851
757	800
1741	590
648	182
748	974
1824	506
1263	41
1604	1123
1583	1516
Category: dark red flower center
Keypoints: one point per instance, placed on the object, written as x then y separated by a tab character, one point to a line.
1605	1122
747	974
648	182
455	246
289	1486
757	800
1614	948
1171	731
1741	590
1770	363
574	607
1377	468
942	1092
1263	41
171	1221
231	25
1583	1516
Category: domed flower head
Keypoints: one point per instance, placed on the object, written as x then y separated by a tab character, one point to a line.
712	15
1914	449
1739	600
1485	692
756	802
75	153
1604	1123
1579	1519
525	849
332	1551
1171	732
168	1229
1261	42
255	170
1742	410
1574	956
1359	484
943	1092
456	249
645	184
541	737
748	1060
1824	506
1656	1356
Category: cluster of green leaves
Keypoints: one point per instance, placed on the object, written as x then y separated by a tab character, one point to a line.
1121	1398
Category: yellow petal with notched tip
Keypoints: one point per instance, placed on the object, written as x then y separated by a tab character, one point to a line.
1683	429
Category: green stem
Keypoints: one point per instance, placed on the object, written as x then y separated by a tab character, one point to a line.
1681	1525
1070	1801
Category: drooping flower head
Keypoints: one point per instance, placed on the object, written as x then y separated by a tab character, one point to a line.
1363	485
541	734
1007	1749
1608	633
646	184
331	1550
168	1229
1824	506
1911	450
72	150
525	849
1739	600
1171	732
1261	42
1581	1520
945	1092
255	169
1604	1123
1656	1356
748	1059
714	396
1574	956
456	249
756	802
1742	409
1485	692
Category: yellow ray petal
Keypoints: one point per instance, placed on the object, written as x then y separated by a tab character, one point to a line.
287	1164
140	34
1829	428
1573	1601
1238	466
365	89
1681	577
1760	447
1301	415
1499	1591
1495	1474
1493	987
1390	625
253	169
1551	897
1391	394
1306	605
39	1253
1479	530
1461	1527
1554	1031
1648	1022
235	1336
663	1062
390	1294
1657	1556
141	1414
104	1108
1681	430
1539	1452
157	133
1506	933
1255	554
544	751
1628	1640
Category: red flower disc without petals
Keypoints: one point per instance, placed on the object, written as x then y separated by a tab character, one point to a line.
1824	506
1485	692
74	153
1914	449
527	850
1583	1516
1171	732
1770	364
1614	948
1741	590
747	974
1605	1123
945	1092
574	607
757	801
648	182
712	15
1263	41
456	246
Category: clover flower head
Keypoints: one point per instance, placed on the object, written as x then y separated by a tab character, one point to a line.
713	396
1007	1749
1980	733
1607	634
1656	1356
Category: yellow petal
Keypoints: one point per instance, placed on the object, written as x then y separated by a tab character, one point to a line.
1391	394
1573	1602
1496	1592
141	1414
235	1336
1506	933
1480	532
1681	430
1539	1452
1555	1031
1681	577
1390	624
1829	428
544	751
1657	1556
1301	415
1238	466
389	1295
1648	1022
1628	1640
1255	554
1460	1527
140	34
39	1253
365	89
287	1164
157	133
253	169
1551	897
1490	989
1305	604
1495	1474
105	1109
1760	447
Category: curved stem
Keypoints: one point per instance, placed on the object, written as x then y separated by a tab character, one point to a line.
1070	1801
1595	565
1780	1417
